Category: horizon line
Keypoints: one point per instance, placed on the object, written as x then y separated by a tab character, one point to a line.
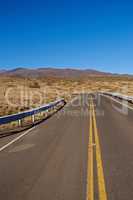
8	68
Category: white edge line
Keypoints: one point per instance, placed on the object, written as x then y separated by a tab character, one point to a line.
116	101
16	139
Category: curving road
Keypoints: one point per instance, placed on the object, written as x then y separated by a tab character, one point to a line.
72	155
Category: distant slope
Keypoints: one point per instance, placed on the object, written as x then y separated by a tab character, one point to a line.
54	72
2	71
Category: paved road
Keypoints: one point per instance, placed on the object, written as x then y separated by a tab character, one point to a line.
116	138
72	155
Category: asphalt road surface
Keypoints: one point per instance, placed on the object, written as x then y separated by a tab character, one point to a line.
83	152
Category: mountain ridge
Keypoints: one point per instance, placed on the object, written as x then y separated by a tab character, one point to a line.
57	72
54	72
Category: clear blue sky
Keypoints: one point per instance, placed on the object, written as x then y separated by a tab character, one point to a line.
67	33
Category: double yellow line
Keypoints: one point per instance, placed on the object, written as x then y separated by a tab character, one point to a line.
99	166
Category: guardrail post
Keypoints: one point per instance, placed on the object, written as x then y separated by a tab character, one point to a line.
19	122
46	113
33	119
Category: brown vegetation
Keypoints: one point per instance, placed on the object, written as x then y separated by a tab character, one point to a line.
19	93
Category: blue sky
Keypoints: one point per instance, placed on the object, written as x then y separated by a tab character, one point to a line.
93	34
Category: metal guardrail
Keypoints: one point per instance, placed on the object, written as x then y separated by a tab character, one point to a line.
120	96
33	112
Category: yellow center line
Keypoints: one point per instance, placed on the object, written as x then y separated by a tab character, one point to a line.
90	178
100	173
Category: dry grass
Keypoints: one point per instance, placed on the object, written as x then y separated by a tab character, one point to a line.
18	94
